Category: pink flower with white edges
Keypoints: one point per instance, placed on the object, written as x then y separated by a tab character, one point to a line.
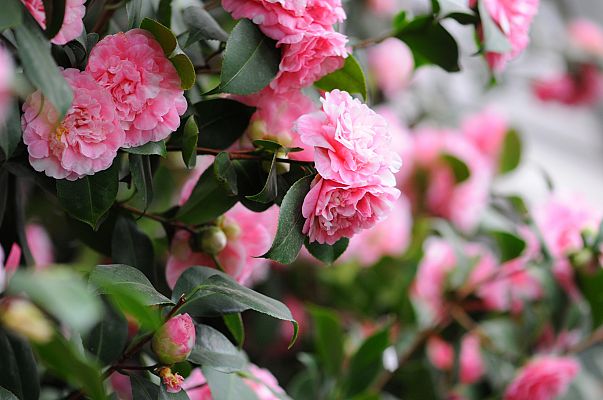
174	340
317	53
513	18
7	70
543	378
40	245
471	364
143	83
587	36
84	142
334	210
392	64
440	353
72	27
352	143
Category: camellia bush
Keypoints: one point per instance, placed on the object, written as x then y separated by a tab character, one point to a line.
223	200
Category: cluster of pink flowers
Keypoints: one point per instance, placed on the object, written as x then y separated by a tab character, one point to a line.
354	188
129	95
513	18
73	25
471	364
248	235
543	378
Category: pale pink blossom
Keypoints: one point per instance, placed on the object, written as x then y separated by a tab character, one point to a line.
584	86
543	378
121	386
487	131
391	63
174	340
72	27
387	8
402	141
471	363
586	36
389	237
513	18
84	142
334	210
144	85
6	81
40	245
352	143
440	353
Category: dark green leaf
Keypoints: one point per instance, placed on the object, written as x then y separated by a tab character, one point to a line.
62	293
511	152
11	15
289	237
591	287
162	34
3	193
225	172
55	14
350	78
203	26
227	386
221	122
460	170
251	178
251	60
10	131
366	363
272	146
494	40
108	339
164	12
213	349
89	198
185	69
39	66
142	178
130	246
327	253
510	246
328	338
270	190
234	323
190	137
143	389
149	149
6	395
18	369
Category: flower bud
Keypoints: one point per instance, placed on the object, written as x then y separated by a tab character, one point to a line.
172	381
24	318
212	240
174	341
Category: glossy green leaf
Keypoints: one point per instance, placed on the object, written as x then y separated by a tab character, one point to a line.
591	287
510	246
366	363
108	338
130	246
143	389
202	26
251	60
61	292
511	152
190	137
87	199
289	237
39	66
328	338
134	10
162	34
149	149
459	168
221	122
225	172
11	15
10	131
325	252
54	11
186	70
270	190
227	386
18	369
349	78
234	323
213	349
142	178
164	12
6	395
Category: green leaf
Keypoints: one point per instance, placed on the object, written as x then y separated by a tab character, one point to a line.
149	149
108	277
325	252
64	360
190	137
162	34
227	386
591	287
366	363
494	40
202	26
62	293
143	389
221	122
350	78
55	14
89	198
134	10
130	246
208	200
18	369
165	395
234	323
460	170
289	237
142	178
185	69
225	172
328	338
511	152
10	131
213	349
251	60
164	12
6	395
11	15
270	190
510	246
108	338
39	66
272	146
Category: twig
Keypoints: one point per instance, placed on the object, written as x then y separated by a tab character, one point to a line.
242	155
371	41
156	217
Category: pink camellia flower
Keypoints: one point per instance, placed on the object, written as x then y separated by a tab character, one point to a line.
586	36
471	363
390	237
392	64
84	142
40	245
174	340
172	381
513	18
440	353
72	27
6	81
487	131
334	210
543	378
317	53
143	83
351	142
429	286
387	8
584	86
